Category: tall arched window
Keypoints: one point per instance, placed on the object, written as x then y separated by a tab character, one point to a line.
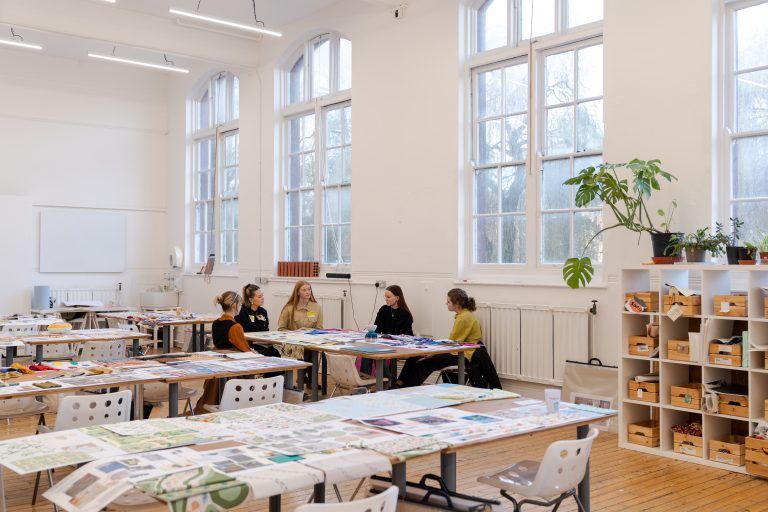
317	152
215	154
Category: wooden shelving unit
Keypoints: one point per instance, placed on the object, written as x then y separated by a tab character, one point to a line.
711	280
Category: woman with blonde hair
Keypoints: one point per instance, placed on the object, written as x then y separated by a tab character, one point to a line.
301	311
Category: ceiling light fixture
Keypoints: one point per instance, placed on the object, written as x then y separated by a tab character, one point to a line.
22	45
137	63
227	23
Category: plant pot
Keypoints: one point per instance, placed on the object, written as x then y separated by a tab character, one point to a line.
763	255
694	255
736	253
661	243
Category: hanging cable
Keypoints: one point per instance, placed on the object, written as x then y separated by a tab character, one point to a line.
256	18
14	35
168	62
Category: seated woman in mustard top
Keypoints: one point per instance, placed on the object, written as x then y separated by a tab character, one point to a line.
465	329
300	312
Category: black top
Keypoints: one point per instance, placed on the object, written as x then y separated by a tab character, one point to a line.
220	333
393	321
253	321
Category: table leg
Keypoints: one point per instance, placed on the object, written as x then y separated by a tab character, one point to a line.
173	400
2	491
313	378
38	353
398	478
288	379
274	503
222	383
379	375
166	339
392	371
136	347
193	341
10	353
138	401
462	364
582	431
324	368
300	380
448	469
201	341
320	492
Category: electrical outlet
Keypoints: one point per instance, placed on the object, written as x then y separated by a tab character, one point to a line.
399	11
381	284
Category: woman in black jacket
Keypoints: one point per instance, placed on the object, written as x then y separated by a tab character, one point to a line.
253	317
393	317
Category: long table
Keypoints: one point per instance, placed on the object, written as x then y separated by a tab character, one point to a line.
90	321
40	339
357	349
165	322
448	451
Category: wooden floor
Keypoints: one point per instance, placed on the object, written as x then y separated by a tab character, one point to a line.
622	480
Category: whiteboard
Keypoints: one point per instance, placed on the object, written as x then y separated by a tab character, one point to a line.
82	241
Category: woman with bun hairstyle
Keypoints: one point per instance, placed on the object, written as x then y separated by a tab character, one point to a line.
227	335
466	329
253	317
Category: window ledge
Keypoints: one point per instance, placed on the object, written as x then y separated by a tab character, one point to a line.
548	276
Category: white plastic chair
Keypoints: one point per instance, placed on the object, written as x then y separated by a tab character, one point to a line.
553	479
242	393
22	407
101	351
382	502
156	393
342	370
76	411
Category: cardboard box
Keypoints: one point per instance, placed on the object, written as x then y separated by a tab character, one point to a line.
686	395
728	450
730	305
644	433
644	391
734	405
642	345
688	445
678	350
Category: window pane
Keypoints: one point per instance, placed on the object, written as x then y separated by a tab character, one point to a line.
555	237
307	245
345	204
321	68
489	142
590	71
346	175
486	239
203	112
205	154
307	208
209	225
332	245
231	183
292	245
555	195
331	209
345	64
589	126
292	209
225	241
489	93
513	189
235	98
749	157
581	12
333	167
220	107
559	130
543	13
582	163
347	121
516	135
200	217
558	86
294	171
235	213
294	135
333	135
751	36
226	215
296	82
585	225
308	170
752	101
487	191
307	142
755	217
492	19
210	243
231	149
516	89
200	249
513	239
345	235
204	186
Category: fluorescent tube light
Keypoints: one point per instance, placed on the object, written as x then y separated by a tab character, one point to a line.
138	63
22	45
227	23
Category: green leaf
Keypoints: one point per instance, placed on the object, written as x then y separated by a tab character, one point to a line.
578	272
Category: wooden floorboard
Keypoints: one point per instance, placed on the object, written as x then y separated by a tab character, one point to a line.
622	480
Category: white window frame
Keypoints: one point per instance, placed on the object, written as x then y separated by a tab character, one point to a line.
532	271
317	106
215	133
727	113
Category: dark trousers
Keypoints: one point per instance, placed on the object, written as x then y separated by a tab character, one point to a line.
417	369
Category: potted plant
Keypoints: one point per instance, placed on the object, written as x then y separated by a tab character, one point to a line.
662	240
626	200
697	244
762	246
733	251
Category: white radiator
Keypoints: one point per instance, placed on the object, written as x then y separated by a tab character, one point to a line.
532	343
107	296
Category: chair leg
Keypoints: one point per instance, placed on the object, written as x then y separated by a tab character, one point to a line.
338	493
357	489
335	387
578	503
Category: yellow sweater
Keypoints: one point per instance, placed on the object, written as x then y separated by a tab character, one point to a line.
466	329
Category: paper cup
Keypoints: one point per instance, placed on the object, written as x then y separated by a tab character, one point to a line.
552	399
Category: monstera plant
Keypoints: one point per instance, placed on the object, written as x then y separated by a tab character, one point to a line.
626	199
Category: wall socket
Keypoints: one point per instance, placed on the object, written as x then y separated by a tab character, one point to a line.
380	284
260	280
